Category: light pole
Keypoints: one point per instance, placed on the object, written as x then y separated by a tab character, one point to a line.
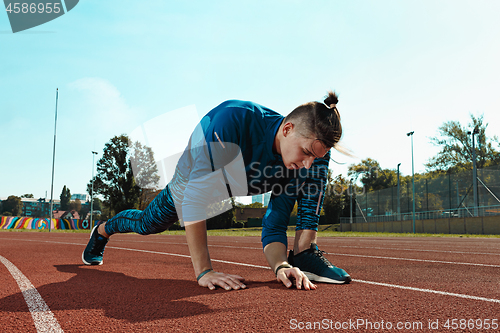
350	206
92	192
53	163
474	169
412	177
399	197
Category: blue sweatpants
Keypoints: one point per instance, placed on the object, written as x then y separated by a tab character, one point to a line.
157	217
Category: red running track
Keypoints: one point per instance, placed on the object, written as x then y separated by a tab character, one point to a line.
406	283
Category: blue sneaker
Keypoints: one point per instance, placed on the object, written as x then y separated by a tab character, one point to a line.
92	255
316	267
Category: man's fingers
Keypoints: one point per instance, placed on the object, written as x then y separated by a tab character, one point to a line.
308	285
296	274
224	285
237	277
298	279
287	282
301	280
226	281
282	277
231	284
235	281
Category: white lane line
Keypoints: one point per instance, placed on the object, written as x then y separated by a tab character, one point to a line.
173	243
416	250
333	254
328	245
351	255
421	260
148	251
43	318
324	245
185	256
477	298
442	243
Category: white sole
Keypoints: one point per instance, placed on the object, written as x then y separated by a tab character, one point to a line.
317	278
83	259
90	264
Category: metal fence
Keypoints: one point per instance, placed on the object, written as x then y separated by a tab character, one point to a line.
434	214
435	197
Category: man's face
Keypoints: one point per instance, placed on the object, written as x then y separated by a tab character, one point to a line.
299	152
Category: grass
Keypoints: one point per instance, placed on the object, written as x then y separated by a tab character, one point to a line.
242	232
327	233
330	233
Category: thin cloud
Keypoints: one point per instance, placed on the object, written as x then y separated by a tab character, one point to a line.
103	103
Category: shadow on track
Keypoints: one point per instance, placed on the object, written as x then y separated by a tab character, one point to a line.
119	295
127	298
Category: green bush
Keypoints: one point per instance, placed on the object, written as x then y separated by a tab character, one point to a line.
239	224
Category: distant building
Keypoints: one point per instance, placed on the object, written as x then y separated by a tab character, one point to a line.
267	197
262	198
94	214
82	197
41	207
38	207
258	198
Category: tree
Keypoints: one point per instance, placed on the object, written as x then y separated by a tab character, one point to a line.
336	199
13	206
146	197
65	198
372	175
27	196
224	220
143	166
97	204
84	209
116	180
106	213
252	205
76	205
456	147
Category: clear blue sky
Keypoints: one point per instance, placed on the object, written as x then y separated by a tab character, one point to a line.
397	66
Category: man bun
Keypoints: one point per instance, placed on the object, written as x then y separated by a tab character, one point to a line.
331	99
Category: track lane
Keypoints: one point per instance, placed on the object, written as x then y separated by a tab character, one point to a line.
459	281
149	291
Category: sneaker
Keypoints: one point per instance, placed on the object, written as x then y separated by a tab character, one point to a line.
92	255
316	267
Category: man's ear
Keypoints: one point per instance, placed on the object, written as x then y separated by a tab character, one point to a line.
287	128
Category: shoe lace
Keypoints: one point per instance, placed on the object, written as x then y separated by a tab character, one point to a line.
98	246
320	253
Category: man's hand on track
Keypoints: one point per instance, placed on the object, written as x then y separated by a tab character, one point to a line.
301	281
227	281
